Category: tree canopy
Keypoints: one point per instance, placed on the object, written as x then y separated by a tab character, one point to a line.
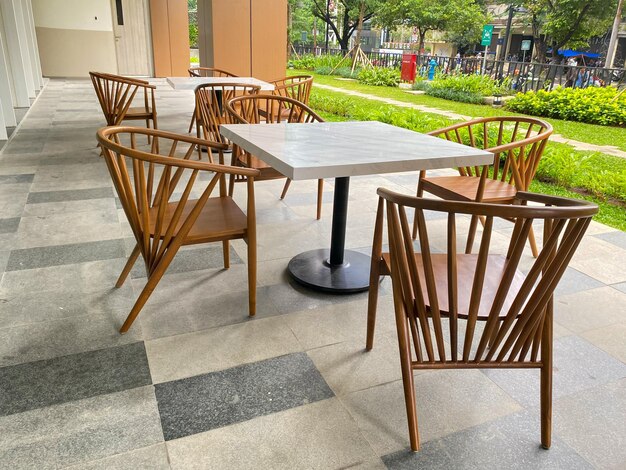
461	19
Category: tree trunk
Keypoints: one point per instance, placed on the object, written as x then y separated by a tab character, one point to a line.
359	28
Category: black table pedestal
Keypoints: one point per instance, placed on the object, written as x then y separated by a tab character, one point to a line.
336	270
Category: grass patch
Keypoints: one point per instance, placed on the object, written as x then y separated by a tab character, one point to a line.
590	133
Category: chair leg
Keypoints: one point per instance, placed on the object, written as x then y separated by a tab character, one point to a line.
148	127
252	262
285	188
226	252
407	382
470	234
154	125
129	265
153	280
192	122
533	243
320	195
372	303
546	378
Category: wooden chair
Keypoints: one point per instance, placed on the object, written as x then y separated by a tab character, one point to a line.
208	72
155	190
205	72
116	94
269	109
211	110
297	87
466	311
517	144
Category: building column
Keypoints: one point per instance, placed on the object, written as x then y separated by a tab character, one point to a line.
6	98
18	8
16	57
31	40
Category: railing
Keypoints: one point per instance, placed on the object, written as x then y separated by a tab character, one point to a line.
523	76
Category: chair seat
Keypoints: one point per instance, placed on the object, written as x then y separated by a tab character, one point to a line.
466	267
138	113
220	219
465	188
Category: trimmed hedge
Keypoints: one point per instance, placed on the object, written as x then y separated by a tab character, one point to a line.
604	106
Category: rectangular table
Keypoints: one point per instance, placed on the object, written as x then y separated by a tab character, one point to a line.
190	83
340	150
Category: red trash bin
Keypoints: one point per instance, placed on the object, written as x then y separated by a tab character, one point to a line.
409	67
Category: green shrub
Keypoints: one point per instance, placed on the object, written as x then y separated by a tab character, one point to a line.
605	106
481	85
311	62
379	76
323	70
455	95
346	72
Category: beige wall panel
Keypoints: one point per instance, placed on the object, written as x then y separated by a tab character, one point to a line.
269	39
160	38
231	36
73	53
179	37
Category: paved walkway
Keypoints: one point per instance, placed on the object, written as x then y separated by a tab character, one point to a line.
576	144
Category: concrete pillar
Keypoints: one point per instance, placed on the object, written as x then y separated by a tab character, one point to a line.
31	40
6	100
16	59
18	7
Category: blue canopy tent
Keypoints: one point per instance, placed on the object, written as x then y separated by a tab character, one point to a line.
570	53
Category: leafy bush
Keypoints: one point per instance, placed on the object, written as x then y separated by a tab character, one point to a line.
346	72
312	62
379	76
605	106
481	85
455	95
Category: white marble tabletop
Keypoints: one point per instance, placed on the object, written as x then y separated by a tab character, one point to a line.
336	149
190	83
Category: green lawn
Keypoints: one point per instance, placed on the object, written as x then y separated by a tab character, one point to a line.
563	170
591	133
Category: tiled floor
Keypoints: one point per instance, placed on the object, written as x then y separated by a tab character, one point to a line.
196	384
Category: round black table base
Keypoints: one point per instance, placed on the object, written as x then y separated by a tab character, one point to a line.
312	269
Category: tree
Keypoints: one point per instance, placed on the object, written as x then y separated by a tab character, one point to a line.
566	23
300	20
346	22
461	18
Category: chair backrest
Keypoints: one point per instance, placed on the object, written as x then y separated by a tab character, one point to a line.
211	109
163	192
271	109
516	142
208	72
505	314
297	87
116	93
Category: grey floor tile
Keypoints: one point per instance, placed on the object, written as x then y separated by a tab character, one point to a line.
148	458
198	404
298	438
81	431
9	225
19	178
578	366
69	195
67	378
512	442
574	281
180	356
208	256
616	237
593	423
57	255
447	401
35	307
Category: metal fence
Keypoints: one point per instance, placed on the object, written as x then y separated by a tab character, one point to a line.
522	76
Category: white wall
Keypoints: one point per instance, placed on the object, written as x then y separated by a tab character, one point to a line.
74	37
92	15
